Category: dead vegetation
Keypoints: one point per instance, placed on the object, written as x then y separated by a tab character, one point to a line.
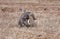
46	12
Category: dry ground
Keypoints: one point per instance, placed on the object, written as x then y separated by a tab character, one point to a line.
47	13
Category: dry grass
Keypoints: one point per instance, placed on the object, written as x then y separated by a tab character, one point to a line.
46	12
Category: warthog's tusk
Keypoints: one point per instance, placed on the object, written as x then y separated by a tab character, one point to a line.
29	22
